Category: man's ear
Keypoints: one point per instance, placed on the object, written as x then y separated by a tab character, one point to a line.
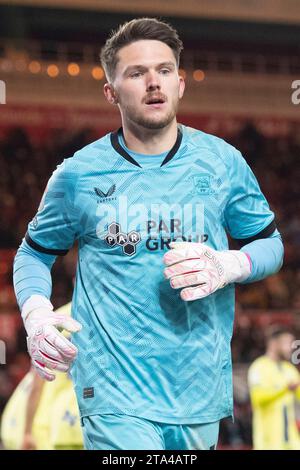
181	86
110	94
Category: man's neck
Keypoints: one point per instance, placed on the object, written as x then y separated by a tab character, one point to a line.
150	141
273	356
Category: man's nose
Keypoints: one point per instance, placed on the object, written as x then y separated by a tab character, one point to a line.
153	82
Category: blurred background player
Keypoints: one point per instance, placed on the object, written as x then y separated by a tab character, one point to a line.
13	416
274	385
42	415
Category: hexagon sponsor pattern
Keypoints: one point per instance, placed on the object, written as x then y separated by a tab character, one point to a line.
127	241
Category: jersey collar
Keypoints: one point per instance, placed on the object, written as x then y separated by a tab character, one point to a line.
114	138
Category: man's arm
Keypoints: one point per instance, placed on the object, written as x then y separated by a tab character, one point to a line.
47	347
266	256
295	388
199	270
52	232
31	407
32	273
250	221
261	392
262	395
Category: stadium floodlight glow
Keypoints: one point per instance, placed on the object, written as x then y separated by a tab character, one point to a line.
182	73
198	75
6	65
73	69
34	66
98	73
20	65
52	70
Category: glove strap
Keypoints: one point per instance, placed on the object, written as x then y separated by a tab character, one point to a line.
33	302
244	264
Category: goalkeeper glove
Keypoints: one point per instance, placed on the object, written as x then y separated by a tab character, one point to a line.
48	348
201	270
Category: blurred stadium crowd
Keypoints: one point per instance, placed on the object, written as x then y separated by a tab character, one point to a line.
25	167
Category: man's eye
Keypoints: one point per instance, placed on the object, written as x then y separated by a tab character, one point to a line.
136	74
164	71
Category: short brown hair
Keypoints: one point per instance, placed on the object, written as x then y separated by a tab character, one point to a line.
136	30
274	331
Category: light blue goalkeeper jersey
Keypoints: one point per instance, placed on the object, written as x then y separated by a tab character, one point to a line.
142	350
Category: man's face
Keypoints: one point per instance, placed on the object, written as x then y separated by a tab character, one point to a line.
284	346
147	86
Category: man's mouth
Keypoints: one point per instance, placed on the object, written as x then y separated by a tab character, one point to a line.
155	100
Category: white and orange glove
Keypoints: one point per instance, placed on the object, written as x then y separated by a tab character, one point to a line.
48	348
199	270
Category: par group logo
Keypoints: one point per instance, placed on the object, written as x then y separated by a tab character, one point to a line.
127	241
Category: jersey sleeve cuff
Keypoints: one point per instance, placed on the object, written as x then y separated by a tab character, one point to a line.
42	249
265	233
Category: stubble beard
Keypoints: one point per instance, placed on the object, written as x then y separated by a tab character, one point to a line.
150	123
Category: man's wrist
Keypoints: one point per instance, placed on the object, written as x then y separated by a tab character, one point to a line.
33	302
239	265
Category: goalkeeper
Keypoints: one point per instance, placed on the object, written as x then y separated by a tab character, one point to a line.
153	367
